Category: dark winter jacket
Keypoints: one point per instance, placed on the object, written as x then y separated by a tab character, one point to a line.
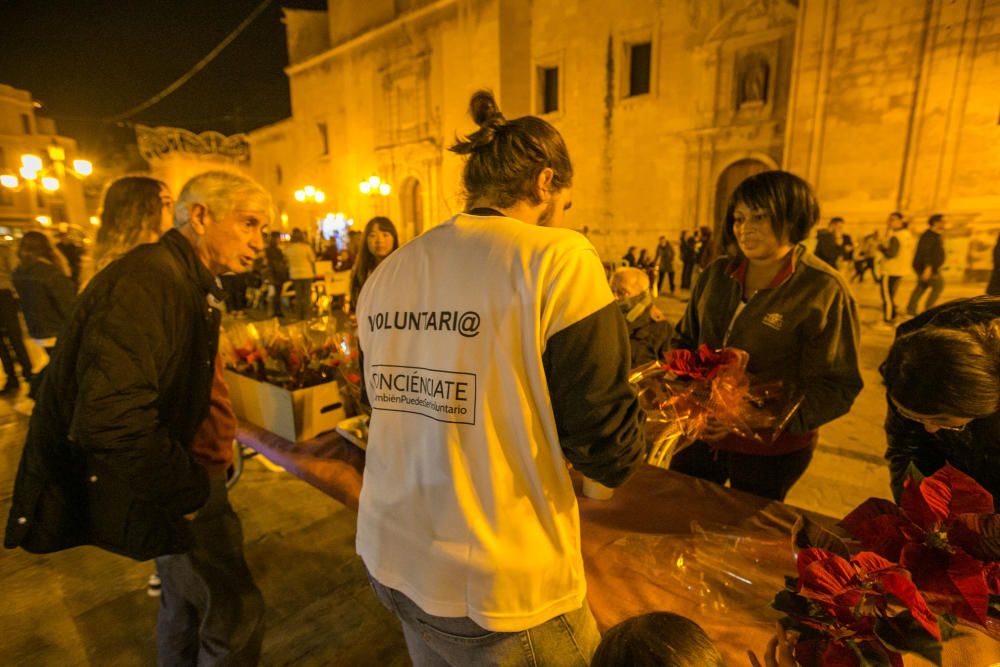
930	252
47	297
803	329
974	450
648	336
106	460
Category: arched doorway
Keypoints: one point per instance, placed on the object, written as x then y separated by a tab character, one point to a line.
731	177
412	205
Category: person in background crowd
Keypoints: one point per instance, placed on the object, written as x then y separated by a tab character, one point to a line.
657	639
706	248
302	270
46	292
11	339
927	263
134	210
796	318
128	443
830	242
864	259
540	331
629	257
664	263
643	262
942	380
74	256
277	269
378	242
689	257
993	288
648	328
897	251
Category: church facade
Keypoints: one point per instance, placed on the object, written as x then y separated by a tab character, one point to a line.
665	106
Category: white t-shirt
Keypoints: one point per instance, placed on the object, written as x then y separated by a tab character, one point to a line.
467	506
301	261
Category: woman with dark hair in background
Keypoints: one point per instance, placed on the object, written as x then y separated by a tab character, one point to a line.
689	256
792	313
379	241
11	339
46	291
135	210
942	380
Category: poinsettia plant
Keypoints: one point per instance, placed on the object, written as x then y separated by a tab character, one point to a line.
686	392
862	610
945	532
921	566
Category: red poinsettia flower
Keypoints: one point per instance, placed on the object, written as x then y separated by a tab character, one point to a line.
855	592
703	365
942	532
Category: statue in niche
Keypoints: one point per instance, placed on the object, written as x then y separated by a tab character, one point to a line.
752	88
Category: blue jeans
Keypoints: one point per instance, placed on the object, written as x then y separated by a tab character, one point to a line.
211	611
565	641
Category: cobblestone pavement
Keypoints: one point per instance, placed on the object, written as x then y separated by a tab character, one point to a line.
848	466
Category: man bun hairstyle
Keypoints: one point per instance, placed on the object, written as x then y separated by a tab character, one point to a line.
946	371
505	157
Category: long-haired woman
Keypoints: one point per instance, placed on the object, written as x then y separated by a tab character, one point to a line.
942	380
135	210
379	241
794	316
43	284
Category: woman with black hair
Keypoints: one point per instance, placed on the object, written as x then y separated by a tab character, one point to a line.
792	313
379	241
942	380
657	639
46	291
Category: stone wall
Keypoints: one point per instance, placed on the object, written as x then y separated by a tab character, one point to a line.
895	107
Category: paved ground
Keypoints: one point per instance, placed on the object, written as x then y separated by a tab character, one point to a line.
86	607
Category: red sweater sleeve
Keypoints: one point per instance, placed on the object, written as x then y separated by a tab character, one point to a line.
212	445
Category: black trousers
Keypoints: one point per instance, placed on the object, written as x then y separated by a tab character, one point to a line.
11	339
686	272
888	287
211	611
767	476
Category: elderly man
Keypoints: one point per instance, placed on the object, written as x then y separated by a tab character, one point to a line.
124	449
648	329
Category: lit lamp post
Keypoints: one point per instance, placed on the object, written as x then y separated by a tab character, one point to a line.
375	188
312	196
34	175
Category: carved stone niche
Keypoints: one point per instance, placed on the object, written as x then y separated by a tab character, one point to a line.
754	73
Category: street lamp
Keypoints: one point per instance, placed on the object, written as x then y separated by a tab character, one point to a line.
312	195
35	174
375	186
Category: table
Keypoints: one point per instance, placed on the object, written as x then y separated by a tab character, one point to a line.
631	545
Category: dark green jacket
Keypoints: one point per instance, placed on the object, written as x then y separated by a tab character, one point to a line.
803	329
106	460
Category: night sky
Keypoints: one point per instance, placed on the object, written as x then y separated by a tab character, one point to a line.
90	60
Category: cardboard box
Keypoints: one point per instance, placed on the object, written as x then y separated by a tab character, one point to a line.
294	415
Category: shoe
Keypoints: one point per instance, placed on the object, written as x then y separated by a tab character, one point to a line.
154	587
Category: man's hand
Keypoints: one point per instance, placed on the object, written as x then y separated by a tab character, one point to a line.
191	516
778	652
926	274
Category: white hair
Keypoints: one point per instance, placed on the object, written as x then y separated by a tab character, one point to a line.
630	274
220	192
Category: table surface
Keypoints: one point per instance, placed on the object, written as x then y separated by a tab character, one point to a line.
664	541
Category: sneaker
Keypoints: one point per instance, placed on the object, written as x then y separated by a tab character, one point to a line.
154	587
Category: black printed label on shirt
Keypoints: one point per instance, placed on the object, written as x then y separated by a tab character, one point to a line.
444	396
